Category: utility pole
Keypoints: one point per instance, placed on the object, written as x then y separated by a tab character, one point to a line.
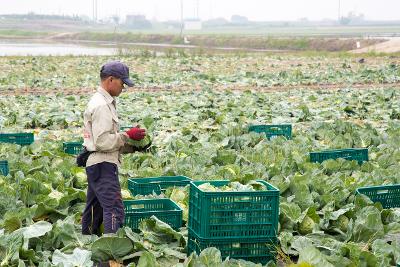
197	9
181	19
211	10
339	13
95	10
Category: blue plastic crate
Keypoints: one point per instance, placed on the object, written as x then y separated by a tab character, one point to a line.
72	148
17	138
358	154
164	209
387	195
273	130
233	214
4	167
257	250
146	186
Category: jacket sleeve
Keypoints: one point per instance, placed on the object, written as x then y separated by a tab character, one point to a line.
104	135
127	148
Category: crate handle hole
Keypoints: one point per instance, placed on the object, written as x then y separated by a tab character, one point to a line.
137	206
236	245
384	191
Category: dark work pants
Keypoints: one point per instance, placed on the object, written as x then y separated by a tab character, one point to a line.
103	200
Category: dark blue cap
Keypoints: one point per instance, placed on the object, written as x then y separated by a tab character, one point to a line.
117	69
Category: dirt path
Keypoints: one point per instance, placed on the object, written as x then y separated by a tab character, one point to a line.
57	36
88	91
391	46
162	45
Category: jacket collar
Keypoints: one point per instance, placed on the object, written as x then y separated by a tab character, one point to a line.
106	95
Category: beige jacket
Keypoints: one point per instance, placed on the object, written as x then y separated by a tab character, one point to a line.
101	130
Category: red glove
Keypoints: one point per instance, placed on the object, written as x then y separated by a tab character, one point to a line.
136	133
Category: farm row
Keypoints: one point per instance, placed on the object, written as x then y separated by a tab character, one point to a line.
203	135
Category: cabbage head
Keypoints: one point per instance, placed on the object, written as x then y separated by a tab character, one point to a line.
306	226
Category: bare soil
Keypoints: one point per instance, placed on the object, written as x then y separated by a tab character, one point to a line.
88	91
224	42
390	46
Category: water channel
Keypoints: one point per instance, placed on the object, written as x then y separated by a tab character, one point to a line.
28	48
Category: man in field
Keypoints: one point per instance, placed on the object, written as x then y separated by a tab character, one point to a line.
105	144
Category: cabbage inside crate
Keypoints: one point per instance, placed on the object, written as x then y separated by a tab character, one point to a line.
273	130
146	186
243	214
358	154
17	138
257	250
164	209
387	195
72	148
4	167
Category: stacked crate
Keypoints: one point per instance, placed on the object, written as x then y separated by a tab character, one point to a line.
242	225
164	209
155	185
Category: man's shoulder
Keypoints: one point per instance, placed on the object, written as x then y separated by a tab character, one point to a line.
96	101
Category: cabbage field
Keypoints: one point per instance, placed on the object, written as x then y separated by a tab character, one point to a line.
199	71
197	113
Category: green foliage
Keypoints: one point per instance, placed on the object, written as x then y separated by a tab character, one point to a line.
202	135
175	68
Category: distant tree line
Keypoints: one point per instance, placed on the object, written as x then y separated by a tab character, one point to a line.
141	22
32	15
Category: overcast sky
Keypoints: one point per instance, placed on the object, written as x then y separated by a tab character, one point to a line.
170	9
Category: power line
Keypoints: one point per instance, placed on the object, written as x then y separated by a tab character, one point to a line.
95	8
180	34
197	9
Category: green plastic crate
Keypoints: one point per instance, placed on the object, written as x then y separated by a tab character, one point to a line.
4	167
146	186
17	138
358	154
273	130
233	214
164	209
387	195
257	250
73	148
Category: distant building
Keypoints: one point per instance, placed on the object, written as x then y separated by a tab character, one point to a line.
172	24
137	22
236	19
217	22
192	24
